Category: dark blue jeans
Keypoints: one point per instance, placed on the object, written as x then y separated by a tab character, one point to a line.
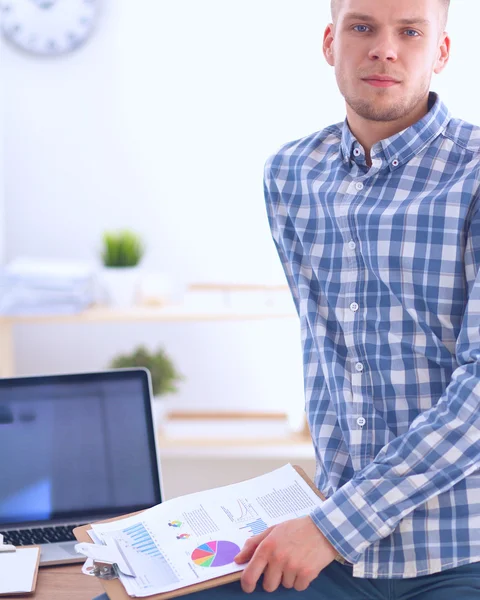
336	582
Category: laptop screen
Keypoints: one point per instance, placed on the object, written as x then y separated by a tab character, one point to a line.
76	447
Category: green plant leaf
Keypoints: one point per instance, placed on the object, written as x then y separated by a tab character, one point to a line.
162	370
122	249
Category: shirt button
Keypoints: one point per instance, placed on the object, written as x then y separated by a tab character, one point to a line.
359	367
361	421
356	152
354	307
352	245
395	162
359	186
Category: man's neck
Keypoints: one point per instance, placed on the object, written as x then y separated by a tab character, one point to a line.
368	133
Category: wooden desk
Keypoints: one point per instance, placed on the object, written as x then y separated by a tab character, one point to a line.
63	583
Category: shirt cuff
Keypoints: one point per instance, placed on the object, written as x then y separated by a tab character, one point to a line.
349	523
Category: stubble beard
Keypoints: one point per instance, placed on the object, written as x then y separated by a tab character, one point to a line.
383	111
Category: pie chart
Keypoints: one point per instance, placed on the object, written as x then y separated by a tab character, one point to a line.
215	554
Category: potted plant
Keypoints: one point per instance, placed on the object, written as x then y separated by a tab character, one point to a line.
164	374
121	255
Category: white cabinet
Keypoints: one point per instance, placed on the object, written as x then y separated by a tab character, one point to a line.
191	468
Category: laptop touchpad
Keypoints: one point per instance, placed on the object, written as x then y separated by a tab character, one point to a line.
69	548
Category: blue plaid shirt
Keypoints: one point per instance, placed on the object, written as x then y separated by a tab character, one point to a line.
383	265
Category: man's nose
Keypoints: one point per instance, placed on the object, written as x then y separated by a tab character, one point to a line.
384	50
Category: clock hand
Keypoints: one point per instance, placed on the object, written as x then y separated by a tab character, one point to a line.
45	4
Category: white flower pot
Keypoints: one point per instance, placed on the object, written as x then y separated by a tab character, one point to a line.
121	285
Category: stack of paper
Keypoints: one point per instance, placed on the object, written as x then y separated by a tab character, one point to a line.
195	538
32	286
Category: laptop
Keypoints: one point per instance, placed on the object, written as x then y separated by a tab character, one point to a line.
74	449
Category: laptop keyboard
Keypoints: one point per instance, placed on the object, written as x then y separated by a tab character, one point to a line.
39	535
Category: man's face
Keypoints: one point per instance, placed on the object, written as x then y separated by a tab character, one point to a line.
397	38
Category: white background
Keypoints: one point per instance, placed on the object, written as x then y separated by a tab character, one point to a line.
162	122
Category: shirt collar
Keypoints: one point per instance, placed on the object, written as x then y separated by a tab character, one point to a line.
399	148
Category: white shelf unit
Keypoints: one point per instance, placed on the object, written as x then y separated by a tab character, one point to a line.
188	311
190	465
193	465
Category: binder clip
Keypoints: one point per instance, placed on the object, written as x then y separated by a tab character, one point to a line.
107	562
104	570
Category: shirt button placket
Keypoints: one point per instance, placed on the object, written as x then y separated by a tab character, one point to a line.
354	307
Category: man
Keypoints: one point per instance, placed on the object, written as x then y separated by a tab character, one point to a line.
377	224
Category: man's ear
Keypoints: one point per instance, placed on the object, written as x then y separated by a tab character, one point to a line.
443	54
328	45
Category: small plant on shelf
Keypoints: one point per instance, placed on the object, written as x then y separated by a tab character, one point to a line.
121	254
161	367
122	249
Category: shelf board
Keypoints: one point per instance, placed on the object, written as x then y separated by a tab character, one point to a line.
294	446
145	313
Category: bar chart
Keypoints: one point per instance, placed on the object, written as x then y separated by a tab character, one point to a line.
141	540
256	526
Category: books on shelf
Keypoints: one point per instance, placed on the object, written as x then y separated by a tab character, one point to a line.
45	286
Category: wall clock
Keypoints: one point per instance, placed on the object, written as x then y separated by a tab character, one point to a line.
48	27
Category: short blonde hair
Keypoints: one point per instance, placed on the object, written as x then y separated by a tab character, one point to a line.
334	7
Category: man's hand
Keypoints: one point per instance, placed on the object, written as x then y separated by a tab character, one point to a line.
291	553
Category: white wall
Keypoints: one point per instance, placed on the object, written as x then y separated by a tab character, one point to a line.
162	122
3	241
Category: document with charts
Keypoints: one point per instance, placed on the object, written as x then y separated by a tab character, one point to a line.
195	538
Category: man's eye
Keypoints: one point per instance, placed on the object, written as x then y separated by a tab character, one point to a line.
364	27
412	31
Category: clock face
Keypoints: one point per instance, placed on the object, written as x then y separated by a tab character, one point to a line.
47	27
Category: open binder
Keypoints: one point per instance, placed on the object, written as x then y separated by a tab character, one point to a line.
115	590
